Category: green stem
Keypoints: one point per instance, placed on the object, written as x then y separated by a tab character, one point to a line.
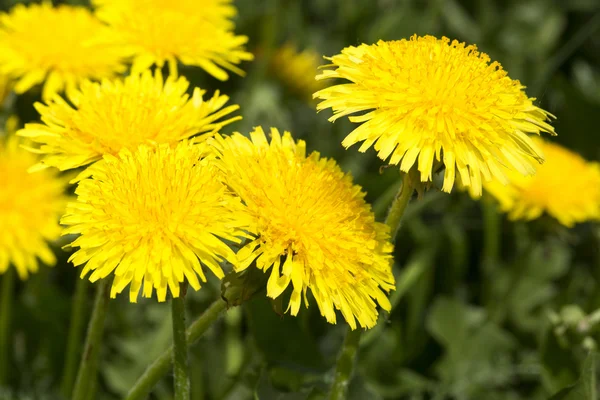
87	366
381	204
93	386
345	363
396	211
180	349
76	324
160	367
8	284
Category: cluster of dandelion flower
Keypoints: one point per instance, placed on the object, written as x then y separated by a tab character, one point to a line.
255	202
302	218
566	187
430	102
30	207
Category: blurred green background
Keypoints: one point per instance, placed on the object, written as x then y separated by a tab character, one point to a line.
485	308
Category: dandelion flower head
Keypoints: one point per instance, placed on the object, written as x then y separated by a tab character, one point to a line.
312	227
566	187
428	101
198	33
153	217
297	69
30	207
124	113
58	45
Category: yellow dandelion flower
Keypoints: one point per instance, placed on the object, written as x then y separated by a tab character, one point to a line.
30	207
112	115
432	101
566	186
154	217
56	44
312	227
297	69
193	32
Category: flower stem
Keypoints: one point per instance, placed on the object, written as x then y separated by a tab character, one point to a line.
75	332
180	349
160	367
345	363
87	366
8	284
398	207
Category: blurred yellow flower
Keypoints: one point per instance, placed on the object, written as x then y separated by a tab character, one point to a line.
154	216
112	115
312	225
57	45
566	186
30	207
297	70
439	102
194	32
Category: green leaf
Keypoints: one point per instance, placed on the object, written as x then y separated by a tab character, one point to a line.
586	387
